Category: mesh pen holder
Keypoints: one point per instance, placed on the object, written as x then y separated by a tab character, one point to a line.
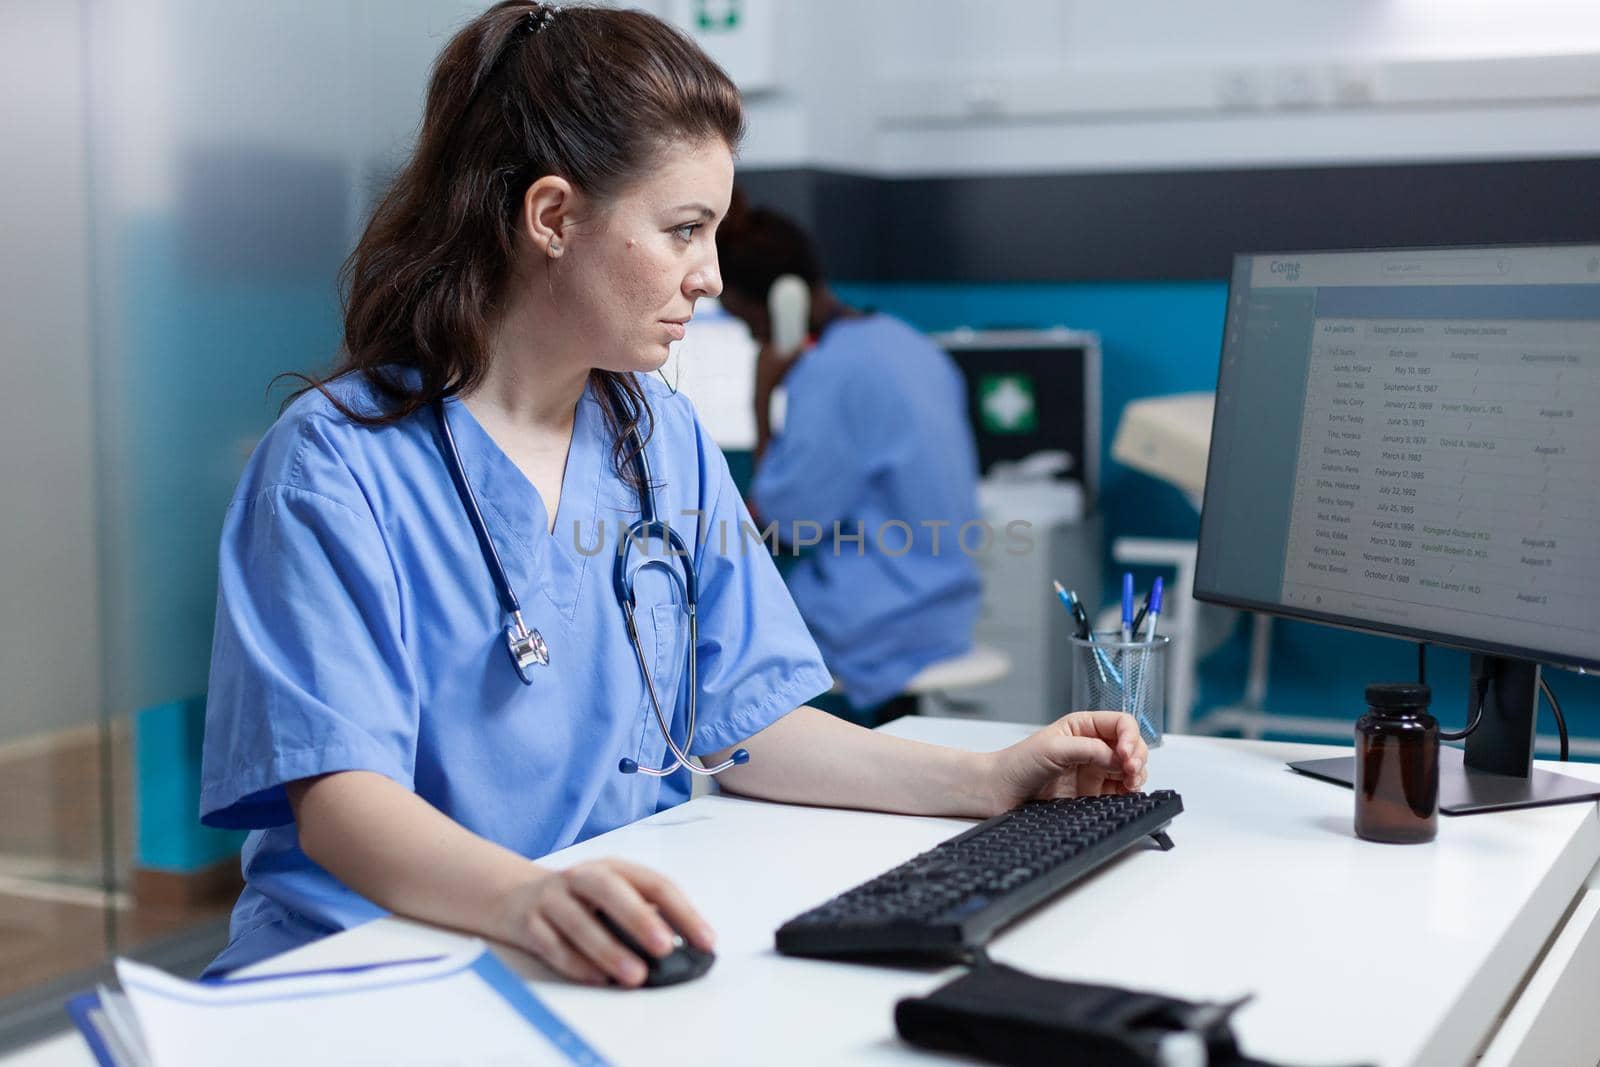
1110	674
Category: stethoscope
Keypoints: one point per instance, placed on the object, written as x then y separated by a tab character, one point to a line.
527	645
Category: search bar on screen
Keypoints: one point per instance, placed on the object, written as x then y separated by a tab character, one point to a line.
1447	267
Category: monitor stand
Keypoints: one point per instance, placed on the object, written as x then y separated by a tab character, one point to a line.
1496	771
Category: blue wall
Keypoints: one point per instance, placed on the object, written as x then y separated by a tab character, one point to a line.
197	345
167	741
1164	337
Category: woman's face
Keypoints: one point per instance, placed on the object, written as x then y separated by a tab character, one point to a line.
633	271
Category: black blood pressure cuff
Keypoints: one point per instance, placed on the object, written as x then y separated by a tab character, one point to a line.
1003	1015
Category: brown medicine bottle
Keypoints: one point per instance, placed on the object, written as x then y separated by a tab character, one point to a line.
1397	765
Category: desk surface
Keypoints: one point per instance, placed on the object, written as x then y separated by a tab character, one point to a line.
1356	952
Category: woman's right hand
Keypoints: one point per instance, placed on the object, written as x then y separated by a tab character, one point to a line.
552	915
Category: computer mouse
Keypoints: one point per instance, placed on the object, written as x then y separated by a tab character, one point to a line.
679	965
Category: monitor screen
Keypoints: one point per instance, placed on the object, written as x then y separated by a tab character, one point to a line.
1408	442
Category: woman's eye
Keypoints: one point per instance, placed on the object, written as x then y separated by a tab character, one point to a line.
686	231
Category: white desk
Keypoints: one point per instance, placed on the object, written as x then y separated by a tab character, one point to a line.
1357	952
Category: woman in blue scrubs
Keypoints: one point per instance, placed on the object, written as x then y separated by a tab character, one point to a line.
535	257
876	445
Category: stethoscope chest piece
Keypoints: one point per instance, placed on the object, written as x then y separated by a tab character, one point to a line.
527	649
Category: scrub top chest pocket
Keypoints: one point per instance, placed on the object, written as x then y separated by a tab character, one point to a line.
663	637
658	592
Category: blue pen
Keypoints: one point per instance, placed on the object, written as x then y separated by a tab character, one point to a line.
1140	679
1127	607
1065	598
1074	606
1155	610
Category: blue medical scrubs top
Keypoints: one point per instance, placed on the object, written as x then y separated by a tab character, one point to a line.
876	435
358	629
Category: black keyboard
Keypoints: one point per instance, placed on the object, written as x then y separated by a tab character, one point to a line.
947	902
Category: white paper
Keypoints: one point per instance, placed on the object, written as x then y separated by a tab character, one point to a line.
121	1029
715	367
435	1014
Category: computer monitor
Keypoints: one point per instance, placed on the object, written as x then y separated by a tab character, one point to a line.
1032	391
1407	442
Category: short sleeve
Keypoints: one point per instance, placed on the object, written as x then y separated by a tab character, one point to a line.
308	667
758	662
816	469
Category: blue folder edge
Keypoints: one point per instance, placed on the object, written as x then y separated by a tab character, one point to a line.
500	978
80	1007
496	975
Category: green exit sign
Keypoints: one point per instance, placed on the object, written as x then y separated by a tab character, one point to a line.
713	16
1006	403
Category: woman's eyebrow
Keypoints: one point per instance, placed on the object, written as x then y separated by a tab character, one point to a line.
704	212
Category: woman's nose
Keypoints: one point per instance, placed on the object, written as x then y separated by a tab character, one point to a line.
706	281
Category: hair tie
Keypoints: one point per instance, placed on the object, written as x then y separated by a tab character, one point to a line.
540	17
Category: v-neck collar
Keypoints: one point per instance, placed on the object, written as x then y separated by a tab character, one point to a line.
535	557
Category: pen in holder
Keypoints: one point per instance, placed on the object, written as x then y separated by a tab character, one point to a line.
1110	674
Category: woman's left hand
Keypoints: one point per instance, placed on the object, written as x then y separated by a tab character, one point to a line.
1086	753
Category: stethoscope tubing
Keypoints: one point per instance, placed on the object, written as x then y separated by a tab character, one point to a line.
680	758
646	528
469	500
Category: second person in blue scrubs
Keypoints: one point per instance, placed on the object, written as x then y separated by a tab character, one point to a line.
533	260
876	455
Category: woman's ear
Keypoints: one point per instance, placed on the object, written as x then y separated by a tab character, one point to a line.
548	208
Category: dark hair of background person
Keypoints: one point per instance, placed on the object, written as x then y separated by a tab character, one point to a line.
756	246
589	94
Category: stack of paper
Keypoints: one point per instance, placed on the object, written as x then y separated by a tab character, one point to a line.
465	1008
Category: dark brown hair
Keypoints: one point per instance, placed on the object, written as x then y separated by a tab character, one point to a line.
756	246
525	90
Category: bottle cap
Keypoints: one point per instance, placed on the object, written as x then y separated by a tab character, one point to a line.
1397	695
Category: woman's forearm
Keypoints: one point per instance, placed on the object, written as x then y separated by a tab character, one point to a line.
811	757
403	854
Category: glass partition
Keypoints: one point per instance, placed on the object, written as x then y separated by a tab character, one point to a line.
189	176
